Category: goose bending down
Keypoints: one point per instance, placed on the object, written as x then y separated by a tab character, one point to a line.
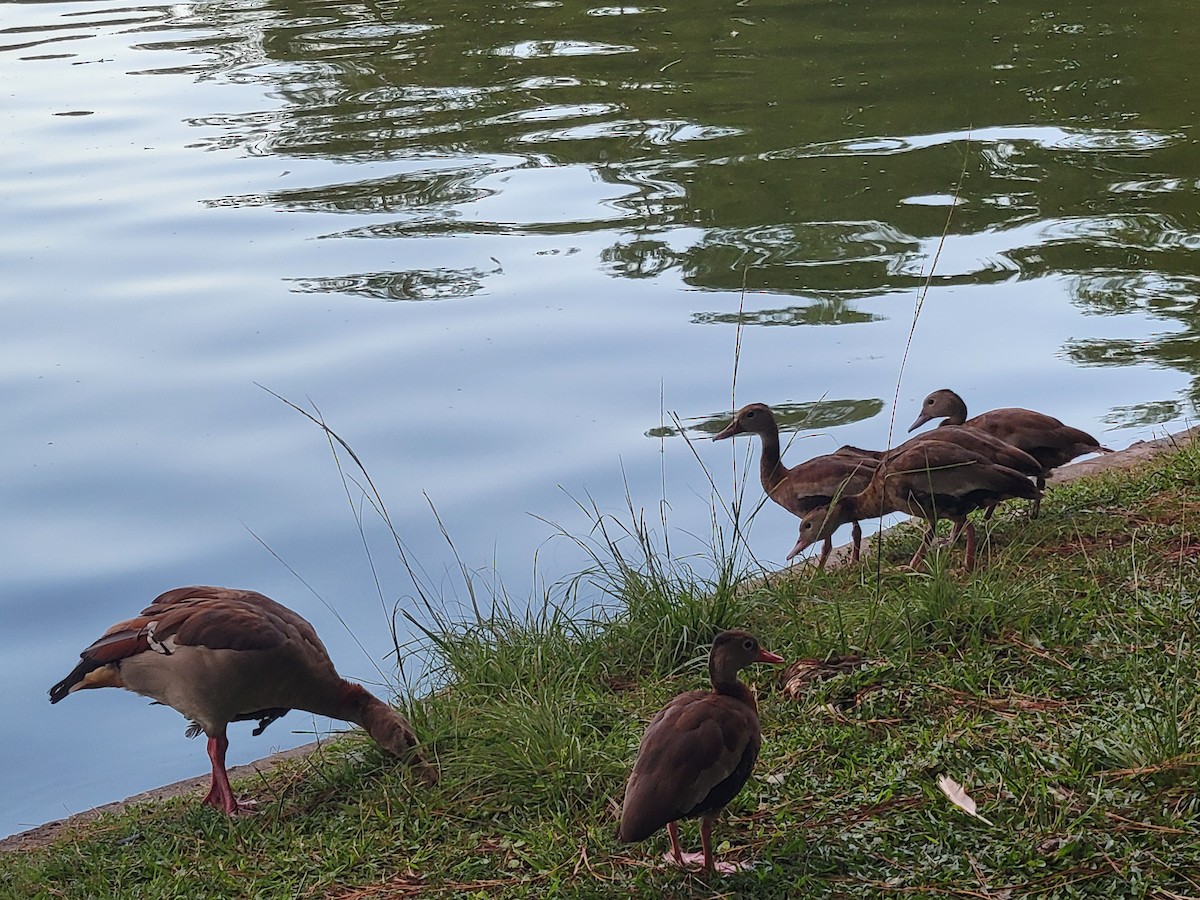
931	480
981	442
1043	437
808	486
220	655
697	753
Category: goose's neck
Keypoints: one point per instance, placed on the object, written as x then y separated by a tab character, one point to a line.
386	726
343	700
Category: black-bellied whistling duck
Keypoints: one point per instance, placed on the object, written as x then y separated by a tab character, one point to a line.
697	752
220	655
981	442
932	480
1043	437
814	483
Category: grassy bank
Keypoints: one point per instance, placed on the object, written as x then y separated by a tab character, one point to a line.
1058	685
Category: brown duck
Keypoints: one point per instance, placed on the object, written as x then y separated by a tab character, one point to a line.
931	480
980	442
220	655
812	484
697	753
1043	437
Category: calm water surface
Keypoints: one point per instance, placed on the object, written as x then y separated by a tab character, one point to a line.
498	247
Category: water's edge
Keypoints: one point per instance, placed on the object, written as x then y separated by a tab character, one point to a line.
1135	454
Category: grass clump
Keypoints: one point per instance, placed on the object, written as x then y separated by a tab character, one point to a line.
1057	685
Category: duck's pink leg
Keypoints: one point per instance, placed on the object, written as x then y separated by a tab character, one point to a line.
826	549
677	856
955	532
926	541
706	842
710	865
970	529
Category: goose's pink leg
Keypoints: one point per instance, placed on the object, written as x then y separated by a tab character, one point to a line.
220	794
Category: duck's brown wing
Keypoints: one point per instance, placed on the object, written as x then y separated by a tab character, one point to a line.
1044	437
948	479
695	756
823	479
984	443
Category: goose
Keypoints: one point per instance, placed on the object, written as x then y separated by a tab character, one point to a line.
1043	437
931	480
809	485
697	753
221	655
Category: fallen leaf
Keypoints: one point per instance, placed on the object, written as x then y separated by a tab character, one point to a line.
959	797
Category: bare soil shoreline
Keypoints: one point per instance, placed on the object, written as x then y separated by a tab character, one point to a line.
1134	455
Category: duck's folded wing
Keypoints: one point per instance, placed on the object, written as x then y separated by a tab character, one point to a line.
688	750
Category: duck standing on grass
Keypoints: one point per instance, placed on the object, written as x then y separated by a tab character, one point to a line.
812	484
986	445
1043	437
220	655
697	753
931	480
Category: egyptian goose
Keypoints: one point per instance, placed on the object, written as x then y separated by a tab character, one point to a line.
220	655
931	480
812	484
697	753
1043	437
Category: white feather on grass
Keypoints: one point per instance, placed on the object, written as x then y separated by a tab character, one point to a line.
960	798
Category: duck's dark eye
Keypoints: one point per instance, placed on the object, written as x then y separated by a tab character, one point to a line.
748	644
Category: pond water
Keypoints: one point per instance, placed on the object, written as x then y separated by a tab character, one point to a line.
504	250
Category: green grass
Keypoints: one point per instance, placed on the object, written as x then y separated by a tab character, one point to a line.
1058	685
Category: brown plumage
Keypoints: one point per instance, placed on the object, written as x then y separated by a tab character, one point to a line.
220	655
812	484
932	480
697	752
1043	437
980	442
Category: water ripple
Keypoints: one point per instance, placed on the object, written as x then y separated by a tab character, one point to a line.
649	131
624	10
413	284
549	48
1046	137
